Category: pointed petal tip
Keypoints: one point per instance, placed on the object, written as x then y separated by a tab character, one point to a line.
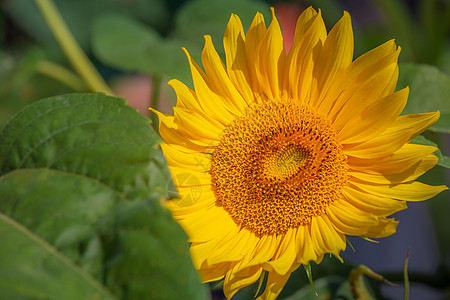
274	17
207	38
311	10
233	17
443	187
272	9
171	82
346	19
185	52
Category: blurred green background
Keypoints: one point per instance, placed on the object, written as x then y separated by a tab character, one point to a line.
136	46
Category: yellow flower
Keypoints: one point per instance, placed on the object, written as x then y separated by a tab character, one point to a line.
277	158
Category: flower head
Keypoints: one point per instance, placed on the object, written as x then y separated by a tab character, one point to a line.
283	156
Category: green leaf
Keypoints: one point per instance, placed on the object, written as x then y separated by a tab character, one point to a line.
153	257
36	269
358	285
429	91
84	174
87	134
444	161
150	256
61	207
129	45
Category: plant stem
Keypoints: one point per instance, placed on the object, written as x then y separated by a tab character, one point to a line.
61	74
72	50
405	277
154	100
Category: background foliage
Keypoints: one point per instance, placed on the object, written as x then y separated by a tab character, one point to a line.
81	174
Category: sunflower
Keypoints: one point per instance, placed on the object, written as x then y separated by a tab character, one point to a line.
278	157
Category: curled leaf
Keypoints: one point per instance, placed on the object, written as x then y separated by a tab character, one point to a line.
357	285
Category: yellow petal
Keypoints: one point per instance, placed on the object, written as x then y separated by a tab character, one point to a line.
186	98
294	60
300	61
218	80
383	145
346	78
263	251
325	236
226	233
275	283
233	283
386	227
253	40
284	259
305	248
417	123
196	127
168	130
399	161
376	205
270	60
373	119
408	175
349	219
190	183
303	24
414	191
404	129
210	102
362	92
233	250
191	160
335	55
237	68
214	273
204	225
180	210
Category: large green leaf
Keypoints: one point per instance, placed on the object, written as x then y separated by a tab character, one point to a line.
72	167
152	260
127	44
87	134
61	209
430	91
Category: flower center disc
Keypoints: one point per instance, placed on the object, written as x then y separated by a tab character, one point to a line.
276	167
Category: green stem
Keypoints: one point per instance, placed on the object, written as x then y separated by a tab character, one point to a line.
154	100
61	74
72	50
405	277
